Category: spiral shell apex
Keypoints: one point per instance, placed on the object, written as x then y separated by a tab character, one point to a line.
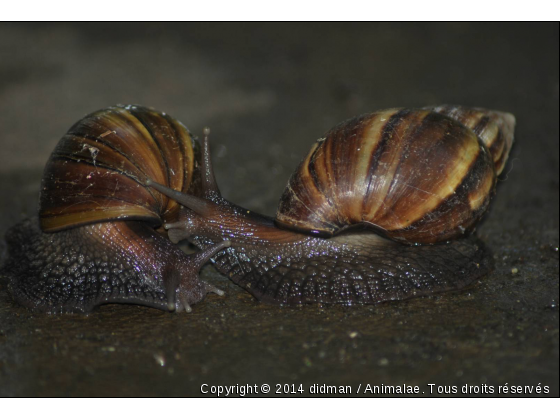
415	176
99	169
494	128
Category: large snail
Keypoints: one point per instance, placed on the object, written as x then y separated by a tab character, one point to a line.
94	241
378	210
375	212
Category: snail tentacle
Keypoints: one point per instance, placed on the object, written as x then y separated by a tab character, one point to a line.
210	187
197	204
179	283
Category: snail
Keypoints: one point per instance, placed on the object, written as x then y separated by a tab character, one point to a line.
96	239
380	209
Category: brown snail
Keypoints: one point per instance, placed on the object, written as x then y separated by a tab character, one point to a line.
95	240
378	210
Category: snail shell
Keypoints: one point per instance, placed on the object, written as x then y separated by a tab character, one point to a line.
96	242
414	176
98	170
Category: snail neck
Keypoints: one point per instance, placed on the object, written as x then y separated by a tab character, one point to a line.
212	219
213	216
223	220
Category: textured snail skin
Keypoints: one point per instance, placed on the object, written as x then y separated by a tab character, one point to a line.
78	269
95	240
280	266
325	250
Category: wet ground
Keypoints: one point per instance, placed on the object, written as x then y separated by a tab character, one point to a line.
268	91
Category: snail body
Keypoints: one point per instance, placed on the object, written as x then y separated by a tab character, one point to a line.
380	209
95	240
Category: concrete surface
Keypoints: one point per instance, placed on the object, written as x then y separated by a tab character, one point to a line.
268	91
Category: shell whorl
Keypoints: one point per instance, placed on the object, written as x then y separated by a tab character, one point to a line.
416	176
494	128
98	170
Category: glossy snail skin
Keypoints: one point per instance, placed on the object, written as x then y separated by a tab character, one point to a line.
75	270
379	210
95	240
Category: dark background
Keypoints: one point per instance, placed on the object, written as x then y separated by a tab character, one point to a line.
268	91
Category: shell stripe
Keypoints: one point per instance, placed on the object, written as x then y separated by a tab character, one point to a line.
317	198
170	158
503	154
494	128
169	153
82	201
492	137
408	130
127	136
154	137
131	131
480	125
340	176
51	224
382	164
497	149
456	214
314	176
480	193
187	150
341	172
418	191
151	155
109	156
96	165
302	195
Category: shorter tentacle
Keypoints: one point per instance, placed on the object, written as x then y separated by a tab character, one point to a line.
177	231
196	261
202	257
214	289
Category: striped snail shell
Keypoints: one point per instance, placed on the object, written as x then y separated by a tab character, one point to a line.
95	240
379	210
98	170
415	176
